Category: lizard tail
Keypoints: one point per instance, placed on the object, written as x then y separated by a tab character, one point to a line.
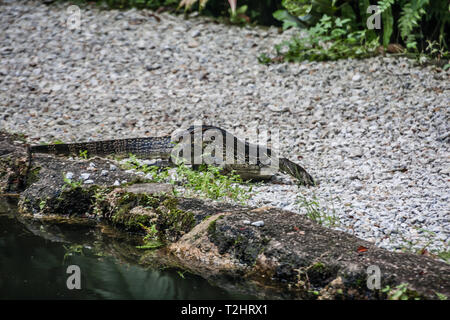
293	169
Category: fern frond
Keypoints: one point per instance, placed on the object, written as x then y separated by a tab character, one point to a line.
410	17
384	5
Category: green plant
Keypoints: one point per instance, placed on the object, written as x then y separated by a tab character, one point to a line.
157	174
83	154
151	245
207	181
420	247
410	17
211	183
400	292
444	255
306	13
264	59
238	16
313	211
151	240
42	204
71	250
71	184
288	19
330	39
441	296
419	24
181	274
436	50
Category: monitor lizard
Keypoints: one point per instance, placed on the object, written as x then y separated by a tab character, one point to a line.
250	161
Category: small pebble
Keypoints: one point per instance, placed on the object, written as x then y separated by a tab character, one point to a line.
85	176
258	223
69	175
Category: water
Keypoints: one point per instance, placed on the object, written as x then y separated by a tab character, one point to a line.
34	258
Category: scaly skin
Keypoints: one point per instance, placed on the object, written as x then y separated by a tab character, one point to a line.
247	158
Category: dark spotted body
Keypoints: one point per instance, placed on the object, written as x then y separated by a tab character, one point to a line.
249	160
148	148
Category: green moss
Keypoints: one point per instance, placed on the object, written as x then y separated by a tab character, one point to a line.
172	221
319	266
70	201
212	226
152	244
134	222
78	199
131	200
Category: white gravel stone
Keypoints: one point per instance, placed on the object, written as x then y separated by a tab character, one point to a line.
259	223
69	175
85	176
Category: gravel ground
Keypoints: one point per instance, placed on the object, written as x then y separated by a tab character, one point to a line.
374	133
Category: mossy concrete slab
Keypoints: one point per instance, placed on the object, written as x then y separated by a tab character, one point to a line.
289	256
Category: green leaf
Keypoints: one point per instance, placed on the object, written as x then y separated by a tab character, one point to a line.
388	26
42	204
297	8
241	9
410	17
441	296
287	19
347	12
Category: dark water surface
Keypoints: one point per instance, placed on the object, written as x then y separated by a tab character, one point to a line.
33	265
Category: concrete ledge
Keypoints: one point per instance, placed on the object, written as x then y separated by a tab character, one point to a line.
263	251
